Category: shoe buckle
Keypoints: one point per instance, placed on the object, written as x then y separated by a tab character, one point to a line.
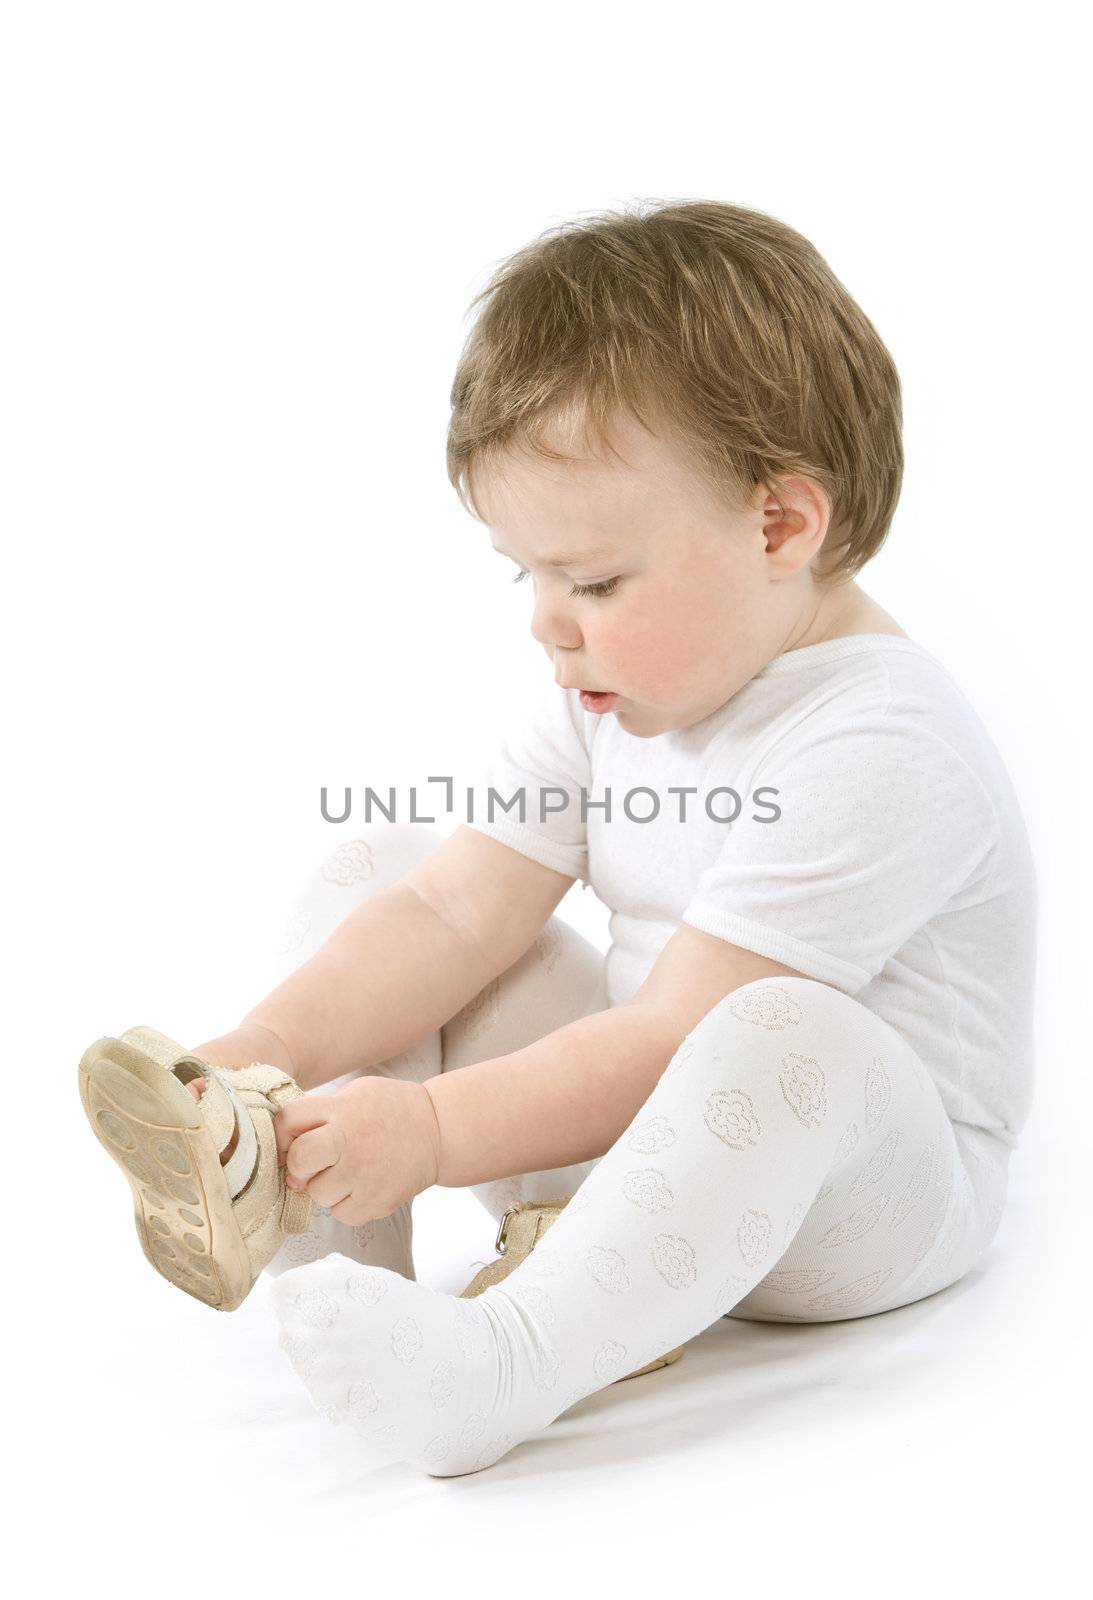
503	1229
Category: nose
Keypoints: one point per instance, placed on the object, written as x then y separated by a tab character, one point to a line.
550	624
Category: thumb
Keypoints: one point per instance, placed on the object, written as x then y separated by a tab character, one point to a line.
312	1111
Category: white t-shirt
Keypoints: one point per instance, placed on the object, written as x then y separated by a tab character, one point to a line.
876	843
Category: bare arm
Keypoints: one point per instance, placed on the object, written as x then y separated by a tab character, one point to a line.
563	1099
393	971
400	965
567	1097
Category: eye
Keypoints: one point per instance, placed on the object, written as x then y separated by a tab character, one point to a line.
608	586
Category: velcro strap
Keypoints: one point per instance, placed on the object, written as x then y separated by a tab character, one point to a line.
280	1090
224	1114
296	1211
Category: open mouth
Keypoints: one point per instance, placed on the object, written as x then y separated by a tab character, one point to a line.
598	699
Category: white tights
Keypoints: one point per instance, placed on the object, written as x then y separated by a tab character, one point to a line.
793	1163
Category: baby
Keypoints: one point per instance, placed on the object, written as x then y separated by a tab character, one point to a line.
791	1090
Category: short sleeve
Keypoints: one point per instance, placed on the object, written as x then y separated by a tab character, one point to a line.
882	824
540	779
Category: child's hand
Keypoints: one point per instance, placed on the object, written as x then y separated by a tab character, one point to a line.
362	1151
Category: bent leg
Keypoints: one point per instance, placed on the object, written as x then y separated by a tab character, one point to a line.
557	980
794	1160
910	1202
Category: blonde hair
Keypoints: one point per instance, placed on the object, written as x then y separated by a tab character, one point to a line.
717	327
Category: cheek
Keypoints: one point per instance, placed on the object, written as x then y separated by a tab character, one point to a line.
681	644
661	643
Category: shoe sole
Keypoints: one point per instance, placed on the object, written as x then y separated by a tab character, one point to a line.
152	1127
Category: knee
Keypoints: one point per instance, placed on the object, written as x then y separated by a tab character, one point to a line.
383	851
776	1004
411	840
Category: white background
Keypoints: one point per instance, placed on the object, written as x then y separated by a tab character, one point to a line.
240	242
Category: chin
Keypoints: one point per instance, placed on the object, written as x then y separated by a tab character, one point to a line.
662	723
678	721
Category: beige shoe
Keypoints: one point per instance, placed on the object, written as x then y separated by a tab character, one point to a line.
206	1226
522	1226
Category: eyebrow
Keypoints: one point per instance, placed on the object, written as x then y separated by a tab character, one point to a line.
586	559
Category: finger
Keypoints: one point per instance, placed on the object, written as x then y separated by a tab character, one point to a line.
328	1188
311	1111
351	1211
311	1153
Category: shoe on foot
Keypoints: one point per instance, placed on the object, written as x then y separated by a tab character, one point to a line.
208	1225
522	1226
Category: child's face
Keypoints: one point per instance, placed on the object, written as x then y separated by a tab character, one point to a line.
702	596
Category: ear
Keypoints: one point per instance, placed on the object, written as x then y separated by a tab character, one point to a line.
796	516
